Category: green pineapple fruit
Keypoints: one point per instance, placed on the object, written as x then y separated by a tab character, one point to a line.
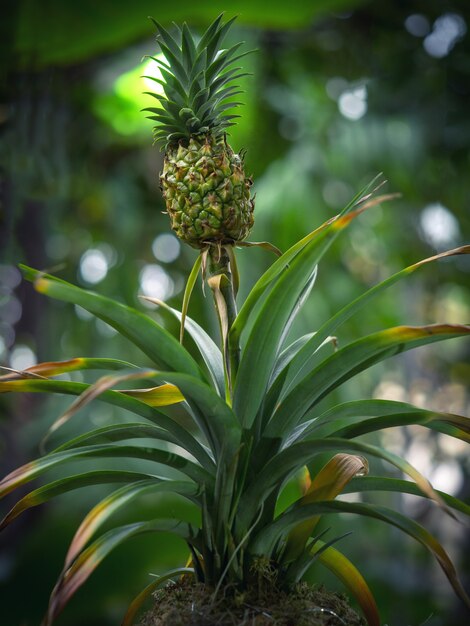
206	190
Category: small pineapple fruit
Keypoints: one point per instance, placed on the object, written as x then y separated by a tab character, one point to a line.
206	190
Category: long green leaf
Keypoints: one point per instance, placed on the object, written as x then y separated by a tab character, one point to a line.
185	439
283	464
215	418
53	368
350	576
397	485
277	311
349	361
117	500
208	349
188	291
118	432
264	541
308	357
70	483
31	470
282	263
359	417
89	559
268	332
97	388
164	350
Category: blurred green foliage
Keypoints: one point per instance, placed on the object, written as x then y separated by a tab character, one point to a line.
340	91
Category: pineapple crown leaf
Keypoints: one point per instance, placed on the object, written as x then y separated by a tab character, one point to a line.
197	81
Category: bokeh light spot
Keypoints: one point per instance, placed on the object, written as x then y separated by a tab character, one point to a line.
93	266
447	31
166	248
10	276
22	357
417	25
353	103
439	226
155	282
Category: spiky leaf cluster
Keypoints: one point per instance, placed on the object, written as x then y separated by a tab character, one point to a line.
198	83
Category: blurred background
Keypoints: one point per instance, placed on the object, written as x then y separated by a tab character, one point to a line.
340	90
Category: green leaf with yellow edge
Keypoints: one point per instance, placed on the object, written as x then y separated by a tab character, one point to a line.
456	426
118	432
54	368
139	600
31	470
70	483
184	437
327	484
308	357
359	417
86	563
208	349
164	350
163	395
263	542
349	361
120	498
213	416
280	265
106	383
281	466
397	485
277	312
353	580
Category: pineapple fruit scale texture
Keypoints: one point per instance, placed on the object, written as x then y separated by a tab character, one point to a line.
206	192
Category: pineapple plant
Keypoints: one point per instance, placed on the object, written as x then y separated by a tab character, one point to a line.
258	404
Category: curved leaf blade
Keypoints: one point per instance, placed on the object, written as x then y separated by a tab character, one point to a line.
164	350
31	470
53	368
349	361
120	498
207	347
350	576
352	419
117	432
397	485
85	564
185	439
267	335
70	483
282	263
308	357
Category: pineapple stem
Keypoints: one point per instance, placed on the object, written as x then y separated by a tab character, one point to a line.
220	280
